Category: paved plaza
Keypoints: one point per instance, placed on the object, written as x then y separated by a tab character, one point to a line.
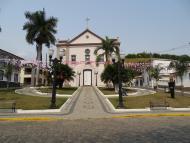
87	118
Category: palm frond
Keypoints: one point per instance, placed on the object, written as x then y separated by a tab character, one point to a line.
97	49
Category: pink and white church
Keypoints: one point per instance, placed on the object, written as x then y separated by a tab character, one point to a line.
79	55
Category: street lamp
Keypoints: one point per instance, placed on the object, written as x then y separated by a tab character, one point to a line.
119	60
96	73
79	73
53	64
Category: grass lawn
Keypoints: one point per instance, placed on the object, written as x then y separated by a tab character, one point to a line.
144	101
29	102
64	90
111	91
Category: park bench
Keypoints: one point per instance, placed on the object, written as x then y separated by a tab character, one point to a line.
8	105
159	104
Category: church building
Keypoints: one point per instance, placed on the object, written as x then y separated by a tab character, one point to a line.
79	55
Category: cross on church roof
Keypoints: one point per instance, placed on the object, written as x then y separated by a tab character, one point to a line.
87	22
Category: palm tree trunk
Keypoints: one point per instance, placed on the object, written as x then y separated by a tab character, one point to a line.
106	60
156	84
39	52
39	60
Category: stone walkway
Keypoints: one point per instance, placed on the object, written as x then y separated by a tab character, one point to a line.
27	91
87	105
139	92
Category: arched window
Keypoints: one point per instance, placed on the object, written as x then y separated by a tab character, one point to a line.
1	74
87	52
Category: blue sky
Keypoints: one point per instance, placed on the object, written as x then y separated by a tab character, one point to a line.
142	25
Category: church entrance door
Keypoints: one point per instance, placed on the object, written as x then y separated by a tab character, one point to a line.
87	77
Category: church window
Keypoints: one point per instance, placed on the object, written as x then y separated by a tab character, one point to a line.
87	58
87	51
73	58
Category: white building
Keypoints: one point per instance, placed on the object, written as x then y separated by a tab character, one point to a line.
5	59
79	55
28	74
166	73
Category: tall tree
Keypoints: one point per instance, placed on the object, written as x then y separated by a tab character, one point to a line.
40	30
8	72
154	72
180	67
110	74
108	47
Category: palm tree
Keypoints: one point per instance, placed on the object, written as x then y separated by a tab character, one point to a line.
110	74
108	46
180	67
40	30
8	72
65	74
154	72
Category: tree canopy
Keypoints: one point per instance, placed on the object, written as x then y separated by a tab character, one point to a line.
154	72
108	47
64	73
40	30
180	67
110	74
160	56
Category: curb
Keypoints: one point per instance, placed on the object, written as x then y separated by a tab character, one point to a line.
30	119
153	115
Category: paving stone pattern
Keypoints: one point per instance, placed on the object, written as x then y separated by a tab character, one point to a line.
87	105
131	130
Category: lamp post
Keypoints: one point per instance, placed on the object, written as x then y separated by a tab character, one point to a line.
53	63
96	73
119	60
79	73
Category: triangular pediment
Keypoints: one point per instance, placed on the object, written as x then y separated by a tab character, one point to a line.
85	37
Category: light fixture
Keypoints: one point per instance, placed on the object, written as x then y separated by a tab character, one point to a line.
50	52
62	53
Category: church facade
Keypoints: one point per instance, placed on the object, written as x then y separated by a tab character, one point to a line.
79	55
